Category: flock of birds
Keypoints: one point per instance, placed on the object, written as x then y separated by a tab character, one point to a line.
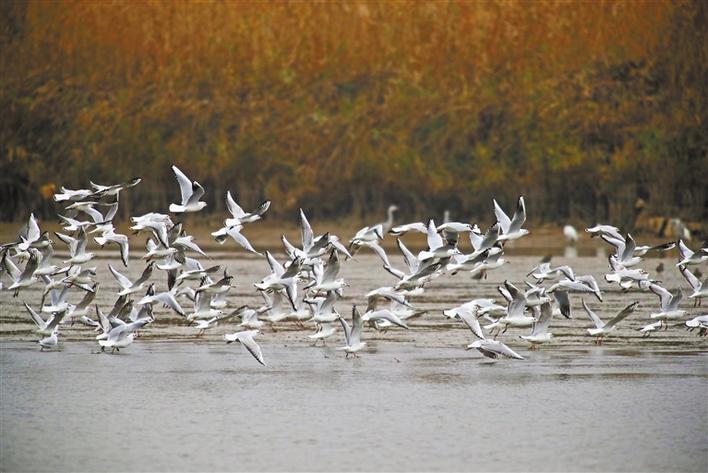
314	267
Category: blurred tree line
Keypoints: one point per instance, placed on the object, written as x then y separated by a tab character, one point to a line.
345	107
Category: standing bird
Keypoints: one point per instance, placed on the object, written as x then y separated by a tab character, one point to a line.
52	341
570	234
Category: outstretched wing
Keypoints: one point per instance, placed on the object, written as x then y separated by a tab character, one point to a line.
622	315
185	185
593	316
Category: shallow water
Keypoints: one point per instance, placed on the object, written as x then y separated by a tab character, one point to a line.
205	407
415	400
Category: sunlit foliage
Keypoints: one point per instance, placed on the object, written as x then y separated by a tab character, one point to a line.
344	107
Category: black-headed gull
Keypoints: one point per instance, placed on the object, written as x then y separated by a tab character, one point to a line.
601	328
191	192
246	339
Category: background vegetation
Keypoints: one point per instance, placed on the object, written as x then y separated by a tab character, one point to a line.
345	107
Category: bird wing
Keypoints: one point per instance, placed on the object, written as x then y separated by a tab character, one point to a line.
676	297
185	185
519	216
355	335
623	314
563	301
690	277
169	300
263	208
664	295
347	330
307	235
434	238
518	302
491	237
410	259
593	316
332	268
30	267
503	350
253	348
619	244
235	233
233	207
123	281
197	193
470	319
380	251
684	250
502	217
544	320
629	248
38	320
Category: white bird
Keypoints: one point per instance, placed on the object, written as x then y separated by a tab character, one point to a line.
606	230
669	304
539	330
72	195
383	315
352	334
109	235
165	298
27	277
280	279
700	322
324	330
50	342
326	278
246	339
570	234
544	271
511	228
77	247
249	317
202	307
29	234
689	257
601	328
436	247
202	325
493	349
101	191
388	224
126	285
122	335
468	315
45	327
235	233
191	192
581	284
238	216
419	272
400	230
700	289
515	316
369	237
649	328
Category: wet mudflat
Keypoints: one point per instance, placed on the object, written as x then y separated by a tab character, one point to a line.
414	400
